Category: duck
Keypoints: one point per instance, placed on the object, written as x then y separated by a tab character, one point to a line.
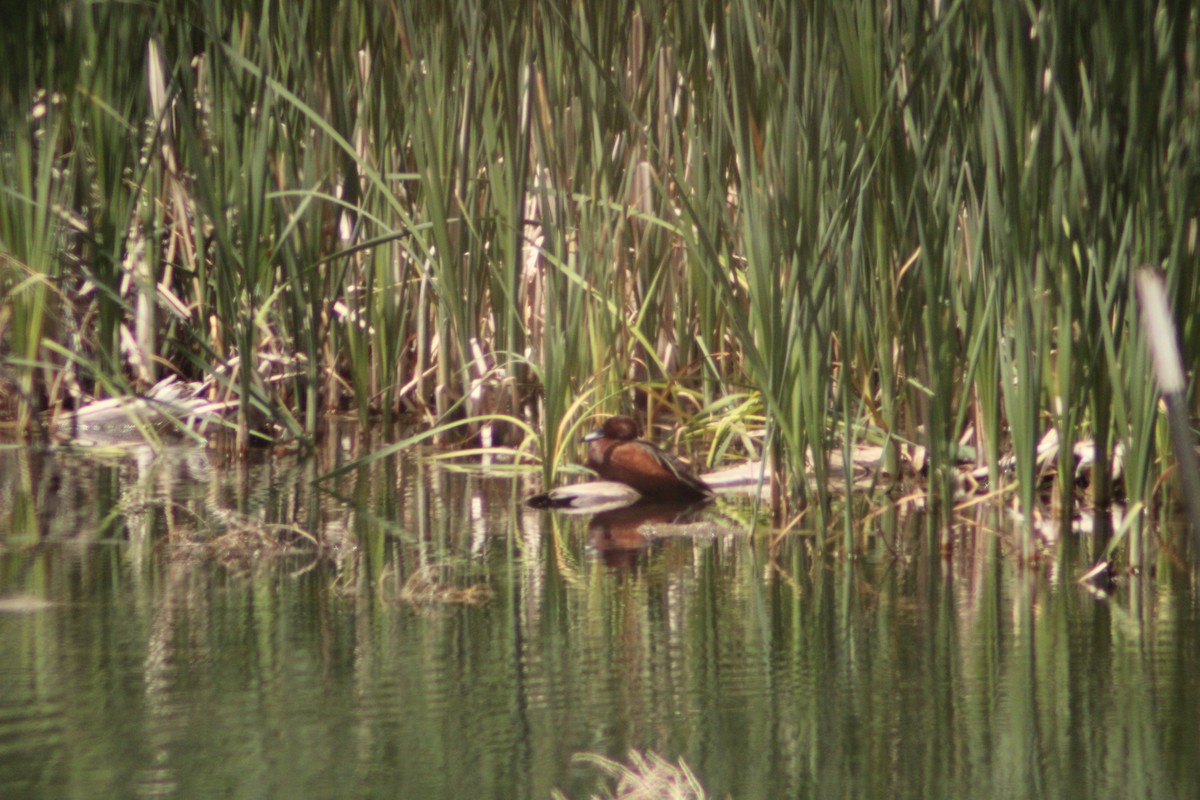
616	453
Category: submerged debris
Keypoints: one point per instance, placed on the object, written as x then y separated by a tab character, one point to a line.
646	776
24	604
423	587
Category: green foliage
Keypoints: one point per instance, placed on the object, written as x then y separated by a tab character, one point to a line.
910	224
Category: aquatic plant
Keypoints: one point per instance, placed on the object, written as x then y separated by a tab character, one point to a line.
802	227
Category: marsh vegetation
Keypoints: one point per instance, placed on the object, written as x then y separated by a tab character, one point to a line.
791	229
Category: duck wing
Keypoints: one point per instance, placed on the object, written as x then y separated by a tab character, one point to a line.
652	471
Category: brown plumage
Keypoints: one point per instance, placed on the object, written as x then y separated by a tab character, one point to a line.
616	454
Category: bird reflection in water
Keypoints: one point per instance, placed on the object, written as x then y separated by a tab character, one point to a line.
623	536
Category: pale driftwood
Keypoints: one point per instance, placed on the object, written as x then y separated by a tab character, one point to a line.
169	406
742	479
591	497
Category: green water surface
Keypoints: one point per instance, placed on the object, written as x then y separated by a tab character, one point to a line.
172	627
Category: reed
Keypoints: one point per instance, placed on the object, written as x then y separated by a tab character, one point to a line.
804	227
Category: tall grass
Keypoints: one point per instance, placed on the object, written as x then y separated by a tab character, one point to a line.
910	224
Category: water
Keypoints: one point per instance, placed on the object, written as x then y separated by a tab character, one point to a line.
175	627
